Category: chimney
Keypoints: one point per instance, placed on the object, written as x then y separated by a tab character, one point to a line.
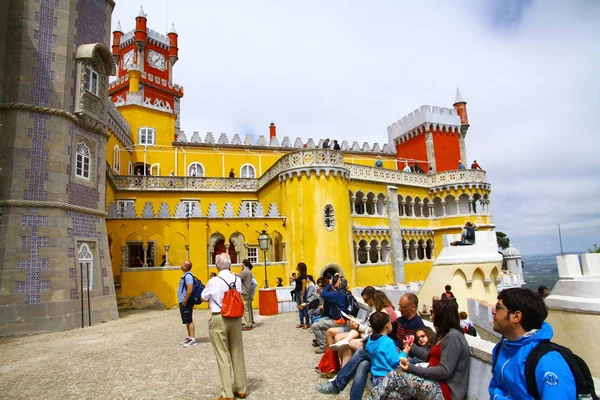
272	130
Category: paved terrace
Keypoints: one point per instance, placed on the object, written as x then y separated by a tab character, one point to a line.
139	357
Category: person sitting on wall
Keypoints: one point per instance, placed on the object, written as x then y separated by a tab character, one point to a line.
475	165
164	261
231	173
460	165
336	145
467	236
378	162
406	167
431	170
326	143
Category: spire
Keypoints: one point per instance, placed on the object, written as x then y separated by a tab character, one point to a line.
118	29
459	98
141	13
172	30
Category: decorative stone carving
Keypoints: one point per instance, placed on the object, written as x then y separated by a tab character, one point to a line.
112	210
273	210
129	211
228	211
260	211
163	211
223	139
210	139
148	211
196	137
236	139
213	212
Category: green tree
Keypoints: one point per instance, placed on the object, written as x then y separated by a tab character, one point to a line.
596	249
503	240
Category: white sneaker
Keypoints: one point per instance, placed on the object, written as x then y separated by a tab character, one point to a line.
191	343
187	339
339	345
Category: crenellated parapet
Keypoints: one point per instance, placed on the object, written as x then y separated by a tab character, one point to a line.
423	119
273	143
118	125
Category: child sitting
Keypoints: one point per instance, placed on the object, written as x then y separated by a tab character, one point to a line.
385	357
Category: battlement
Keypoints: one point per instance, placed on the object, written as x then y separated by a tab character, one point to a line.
155	80
118	125
286	143
425	117
158	39
137	99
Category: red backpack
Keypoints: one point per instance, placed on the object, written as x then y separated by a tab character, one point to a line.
233	306
329	362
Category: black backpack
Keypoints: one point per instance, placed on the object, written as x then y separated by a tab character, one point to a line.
470	233
352	305
584	382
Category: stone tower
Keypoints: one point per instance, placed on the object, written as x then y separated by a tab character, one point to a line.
55	266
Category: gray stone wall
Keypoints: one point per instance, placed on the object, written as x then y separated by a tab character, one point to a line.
47	211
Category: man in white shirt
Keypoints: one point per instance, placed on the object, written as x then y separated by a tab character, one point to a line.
226	333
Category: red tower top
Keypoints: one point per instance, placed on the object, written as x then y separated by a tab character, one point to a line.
145	60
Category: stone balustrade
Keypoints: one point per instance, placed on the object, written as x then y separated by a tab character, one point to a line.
320	161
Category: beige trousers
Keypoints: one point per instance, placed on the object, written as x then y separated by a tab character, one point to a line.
247	304
226	339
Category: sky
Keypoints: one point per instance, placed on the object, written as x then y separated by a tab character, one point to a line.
348	69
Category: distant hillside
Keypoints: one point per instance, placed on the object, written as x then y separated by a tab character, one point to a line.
540	270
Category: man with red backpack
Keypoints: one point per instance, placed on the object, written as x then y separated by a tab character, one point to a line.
223	294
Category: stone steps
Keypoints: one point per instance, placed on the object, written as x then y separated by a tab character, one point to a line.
124	303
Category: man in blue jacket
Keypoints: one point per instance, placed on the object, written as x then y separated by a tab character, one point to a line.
519	317
335	301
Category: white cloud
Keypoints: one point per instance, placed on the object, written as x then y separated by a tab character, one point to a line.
346	70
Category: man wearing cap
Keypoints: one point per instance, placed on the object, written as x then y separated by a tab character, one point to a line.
226	333
336	299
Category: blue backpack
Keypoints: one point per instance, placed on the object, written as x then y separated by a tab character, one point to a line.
197	289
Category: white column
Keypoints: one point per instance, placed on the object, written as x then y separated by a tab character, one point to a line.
145	248
444	207
379	253
368	248
167	247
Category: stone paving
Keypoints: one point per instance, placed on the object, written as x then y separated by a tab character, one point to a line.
139	357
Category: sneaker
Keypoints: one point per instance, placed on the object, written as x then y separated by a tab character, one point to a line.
187	339
327	388
191	343
339	345
320	350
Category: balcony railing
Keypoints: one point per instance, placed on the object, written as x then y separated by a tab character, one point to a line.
303	160
185	184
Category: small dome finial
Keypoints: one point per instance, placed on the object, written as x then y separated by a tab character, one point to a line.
142	13
118	28
172	30
459	98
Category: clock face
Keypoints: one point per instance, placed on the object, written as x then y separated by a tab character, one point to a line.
128	59
156	60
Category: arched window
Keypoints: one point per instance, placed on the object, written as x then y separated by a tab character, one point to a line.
86	266
91	80
82	168
146	136
195	169
116	159
329	216
248	171
359	205
374	252
363	256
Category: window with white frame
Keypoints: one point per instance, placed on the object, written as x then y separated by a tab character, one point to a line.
248	171
190	207
86	266
250	206
146	136
252	254
122	206
195	169
116	159
82	162
91	80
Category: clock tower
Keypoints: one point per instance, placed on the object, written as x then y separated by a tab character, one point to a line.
145	60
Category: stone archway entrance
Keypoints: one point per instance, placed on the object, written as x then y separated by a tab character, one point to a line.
331	269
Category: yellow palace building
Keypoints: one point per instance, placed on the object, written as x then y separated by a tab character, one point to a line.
172	195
